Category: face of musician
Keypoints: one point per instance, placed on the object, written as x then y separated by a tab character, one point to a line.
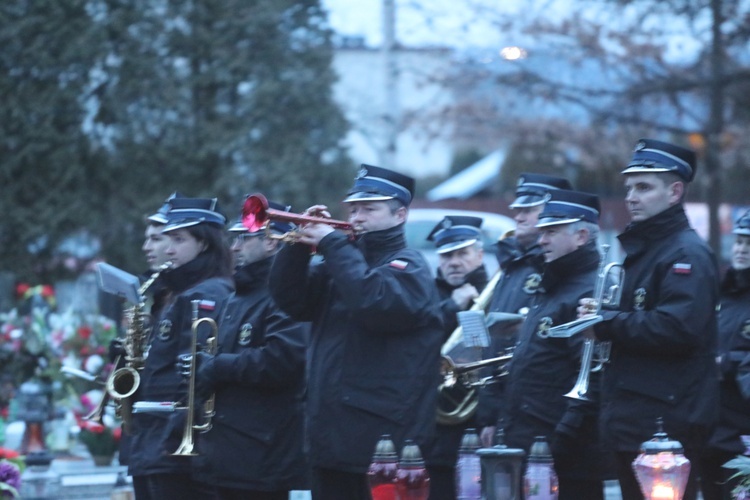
651	194
526	219
455	265
741	252
367	216
183	247
559	240
252	247
155	246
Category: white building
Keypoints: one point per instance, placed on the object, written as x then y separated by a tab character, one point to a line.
423	147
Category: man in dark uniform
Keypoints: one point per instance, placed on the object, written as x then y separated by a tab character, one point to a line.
734	351
461	276
376	332
254	448
521	260
545	368
664	333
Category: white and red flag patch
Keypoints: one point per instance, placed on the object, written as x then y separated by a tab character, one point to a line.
398	264
682	268
207	305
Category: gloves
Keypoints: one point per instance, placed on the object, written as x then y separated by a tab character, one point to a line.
116	348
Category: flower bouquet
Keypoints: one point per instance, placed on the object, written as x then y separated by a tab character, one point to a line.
11	467
100	440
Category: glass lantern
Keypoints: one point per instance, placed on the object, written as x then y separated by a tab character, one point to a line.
501	471
662	469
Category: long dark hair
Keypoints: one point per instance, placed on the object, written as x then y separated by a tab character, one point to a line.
217	253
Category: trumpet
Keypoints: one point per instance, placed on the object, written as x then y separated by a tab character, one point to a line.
256	215
187	446
595	354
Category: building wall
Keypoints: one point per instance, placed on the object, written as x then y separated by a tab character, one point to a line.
423	147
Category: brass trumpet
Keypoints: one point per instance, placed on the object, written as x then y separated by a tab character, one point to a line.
256	215
187	446
595	354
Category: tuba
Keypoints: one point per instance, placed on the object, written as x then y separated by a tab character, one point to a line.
187	446
458	396
124	381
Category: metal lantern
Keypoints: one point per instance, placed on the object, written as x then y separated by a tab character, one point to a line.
501	471
662	469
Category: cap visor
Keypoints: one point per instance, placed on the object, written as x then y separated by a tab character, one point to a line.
180	225
525	201
639	169
742	231
158	218
456	245
366	197
557	222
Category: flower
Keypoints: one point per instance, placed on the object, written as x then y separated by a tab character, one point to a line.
99	439
742	465
10	479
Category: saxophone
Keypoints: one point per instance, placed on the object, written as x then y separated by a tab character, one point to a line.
123	382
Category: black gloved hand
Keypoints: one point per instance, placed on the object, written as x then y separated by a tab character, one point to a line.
116	348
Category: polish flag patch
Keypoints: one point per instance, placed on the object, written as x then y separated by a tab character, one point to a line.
207	305
399	264
682	268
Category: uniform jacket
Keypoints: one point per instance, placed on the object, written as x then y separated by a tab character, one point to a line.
663	337
520	279
376	337
157	435
443	449
543	370
734	349
256	440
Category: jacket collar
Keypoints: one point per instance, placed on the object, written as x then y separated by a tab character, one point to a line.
638	235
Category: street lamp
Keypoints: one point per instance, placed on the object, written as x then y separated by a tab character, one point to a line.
662	469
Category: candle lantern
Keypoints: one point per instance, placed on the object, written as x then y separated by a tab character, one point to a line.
35	409
661	468
501	470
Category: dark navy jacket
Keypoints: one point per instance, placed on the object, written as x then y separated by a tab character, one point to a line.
375	345
157	435
544	369
256	441
664	337
521	276
734	349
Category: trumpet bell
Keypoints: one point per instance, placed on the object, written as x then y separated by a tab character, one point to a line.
256	214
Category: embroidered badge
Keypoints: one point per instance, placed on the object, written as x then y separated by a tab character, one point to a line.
639	299
640	146
531	285
165	329
543	328
246	334
398	264
682	268
745	330
362	173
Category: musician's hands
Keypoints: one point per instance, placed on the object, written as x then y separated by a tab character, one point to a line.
116	348
464	294
312	233
205	375
586	307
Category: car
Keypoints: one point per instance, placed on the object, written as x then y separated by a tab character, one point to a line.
421	222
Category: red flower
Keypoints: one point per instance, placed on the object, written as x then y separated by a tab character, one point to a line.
48	291
22	288
117	433
8	453
84	332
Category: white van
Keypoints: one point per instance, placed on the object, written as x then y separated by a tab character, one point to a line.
421	222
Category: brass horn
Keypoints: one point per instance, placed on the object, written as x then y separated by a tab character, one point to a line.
457	394
595	354
256	215
187	446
